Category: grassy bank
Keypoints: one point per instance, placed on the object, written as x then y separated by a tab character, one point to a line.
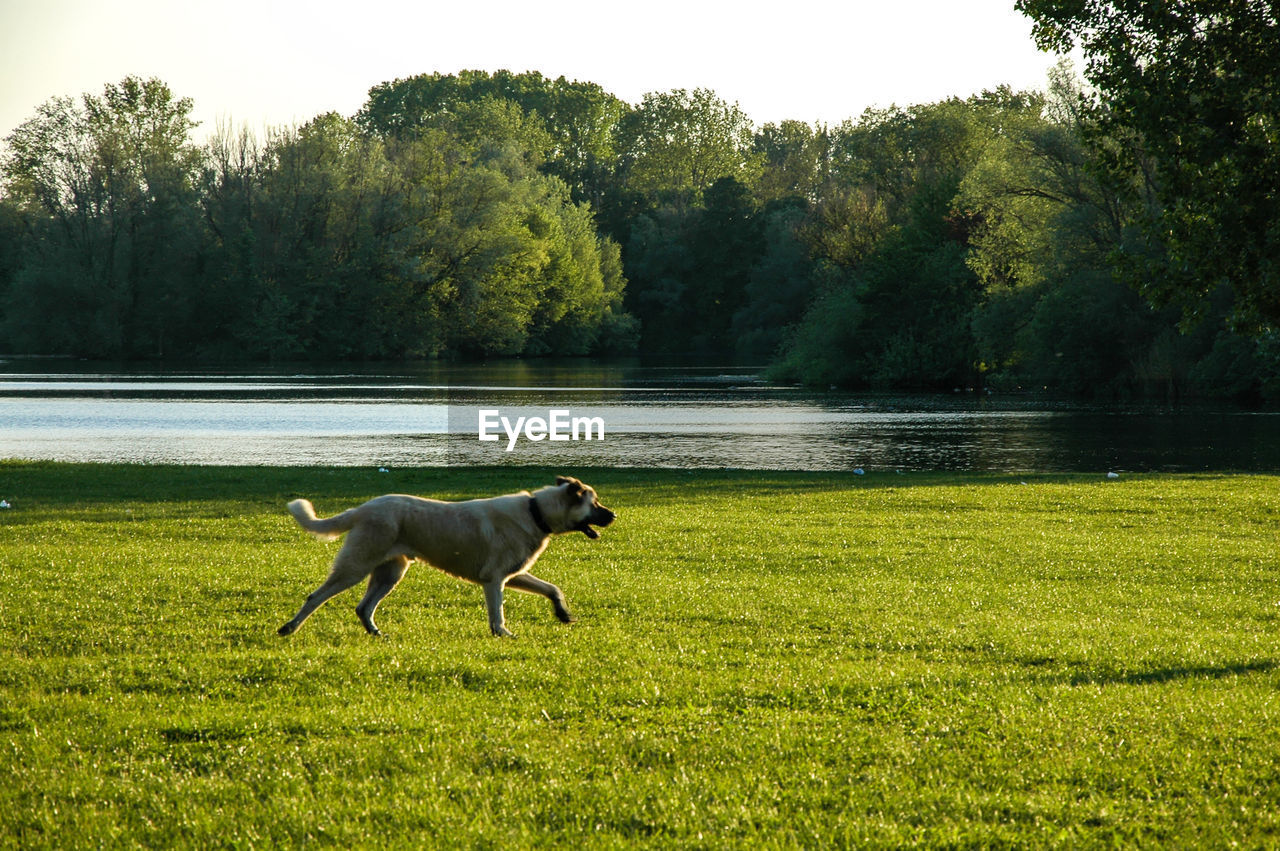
761	660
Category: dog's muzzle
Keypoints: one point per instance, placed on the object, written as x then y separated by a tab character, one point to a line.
600	516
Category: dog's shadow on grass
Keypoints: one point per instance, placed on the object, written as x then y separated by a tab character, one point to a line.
1167	675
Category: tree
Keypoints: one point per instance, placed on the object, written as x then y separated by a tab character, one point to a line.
690	269
118	238
1187	101
893	293
441	241
577	120
1041	228
11	250
108	184
676	144
779	285
795	160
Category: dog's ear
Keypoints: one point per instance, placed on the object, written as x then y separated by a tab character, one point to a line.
576	488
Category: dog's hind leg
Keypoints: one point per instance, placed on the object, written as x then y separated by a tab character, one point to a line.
533	585
335	584
384	578
349	568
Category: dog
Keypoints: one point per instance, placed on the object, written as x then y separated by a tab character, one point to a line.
491	542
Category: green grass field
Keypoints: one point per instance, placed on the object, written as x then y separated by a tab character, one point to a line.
761	660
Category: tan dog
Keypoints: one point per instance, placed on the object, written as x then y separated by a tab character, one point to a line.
492	542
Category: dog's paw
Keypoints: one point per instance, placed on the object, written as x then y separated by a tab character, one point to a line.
287	629
502	632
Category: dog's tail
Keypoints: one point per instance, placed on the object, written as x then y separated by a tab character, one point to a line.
326	528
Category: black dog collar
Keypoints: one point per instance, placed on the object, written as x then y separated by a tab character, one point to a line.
538	519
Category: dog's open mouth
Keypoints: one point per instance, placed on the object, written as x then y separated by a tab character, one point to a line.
600	517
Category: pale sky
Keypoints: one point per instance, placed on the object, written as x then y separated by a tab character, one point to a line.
265	63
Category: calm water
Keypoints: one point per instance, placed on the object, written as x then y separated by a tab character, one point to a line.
654	416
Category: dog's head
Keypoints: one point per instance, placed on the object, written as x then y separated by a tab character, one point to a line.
574	507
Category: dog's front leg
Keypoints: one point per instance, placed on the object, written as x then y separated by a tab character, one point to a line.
532	584
493	602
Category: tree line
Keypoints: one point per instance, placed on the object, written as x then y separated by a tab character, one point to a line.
1061	238
329	240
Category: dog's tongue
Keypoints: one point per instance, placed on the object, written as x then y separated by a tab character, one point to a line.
585	528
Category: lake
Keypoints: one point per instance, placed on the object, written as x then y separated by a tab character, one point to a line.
653	415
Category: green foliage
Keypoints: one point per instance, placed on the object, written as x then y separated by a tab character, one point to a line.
892	247
326	240
790	660
794	161
675	145
446	241
726	243
779	285
569	126
1187	104
108	185
977	240
691	270
11	246
996	240
714	263
818	353
1045	228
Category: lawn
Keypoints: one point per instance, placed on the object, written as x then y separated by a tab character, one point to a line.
761	660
